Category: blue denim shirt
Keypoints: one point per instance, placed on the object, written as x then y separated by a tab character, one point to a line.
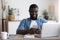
25	23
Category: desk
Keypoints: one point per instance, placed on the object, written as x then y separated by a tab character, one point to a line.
21	37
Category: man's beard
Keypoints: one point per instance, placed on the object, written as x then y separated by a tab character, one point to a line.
33	18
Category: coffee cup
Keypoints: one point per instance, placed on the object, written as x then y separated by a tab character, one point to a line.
4	35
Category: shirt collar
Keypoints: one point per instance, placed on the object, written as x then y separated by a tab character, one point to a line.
36	19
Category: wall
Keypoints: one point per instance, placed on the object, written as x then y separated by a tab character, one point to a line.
59	10
0	10
55	2
23	6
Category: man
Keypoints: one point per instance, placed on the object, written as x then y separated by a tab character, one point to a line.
26	27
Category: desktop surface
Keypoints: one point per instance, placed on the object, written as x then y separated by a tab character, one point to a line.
21	37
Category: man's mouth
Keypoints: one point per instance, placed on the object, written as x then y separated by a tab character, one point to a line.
34	15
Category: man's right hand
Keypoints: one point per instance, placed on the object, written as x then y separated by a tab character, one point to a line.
32	31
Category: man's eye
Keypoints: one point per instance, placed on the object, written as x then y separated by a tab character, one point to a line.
35	11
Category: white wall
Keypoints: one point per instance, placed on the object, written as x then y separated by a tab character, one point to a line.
56	9
59	10
0	10
23	6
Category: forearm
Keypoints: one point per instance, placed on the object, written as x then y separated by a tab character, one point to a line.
34	31
22	31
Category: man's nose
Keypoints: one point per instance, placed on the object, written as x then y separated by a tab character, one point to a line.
34	13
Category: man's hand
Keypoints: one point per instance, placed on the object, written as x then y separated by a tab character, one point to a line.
34	31
38	31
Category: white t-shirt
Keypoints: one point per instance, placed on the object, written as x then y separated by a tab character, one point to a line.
33	24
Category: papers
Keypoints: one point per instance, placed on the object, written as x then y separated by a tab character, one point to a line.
29	36
32	36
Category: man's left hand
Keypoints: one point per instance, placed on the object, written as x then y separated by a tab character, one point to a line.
38	31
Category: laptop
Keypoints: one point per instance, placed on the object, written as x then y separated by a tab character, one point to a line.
50	30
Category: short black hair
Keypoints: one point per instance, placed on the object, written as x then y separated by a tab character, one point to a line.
33	6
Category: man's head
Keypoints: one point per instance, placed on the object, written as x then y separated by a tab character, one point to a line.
33	10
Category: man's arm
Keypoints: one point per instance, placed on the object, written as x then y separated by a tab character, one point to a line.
22	32
21	29
31	31
34	31
44	20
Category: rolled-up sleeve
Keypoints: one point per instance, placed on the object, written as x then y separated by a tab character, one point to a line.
44	21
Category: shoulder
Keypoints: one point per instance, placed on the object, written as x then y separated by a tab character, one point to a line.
25	19
42	19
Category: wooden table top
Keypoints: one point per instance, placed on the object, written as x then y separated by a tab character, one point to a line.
21	37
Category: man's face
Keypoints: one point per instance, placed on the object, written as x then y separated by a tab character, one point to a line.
33	13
